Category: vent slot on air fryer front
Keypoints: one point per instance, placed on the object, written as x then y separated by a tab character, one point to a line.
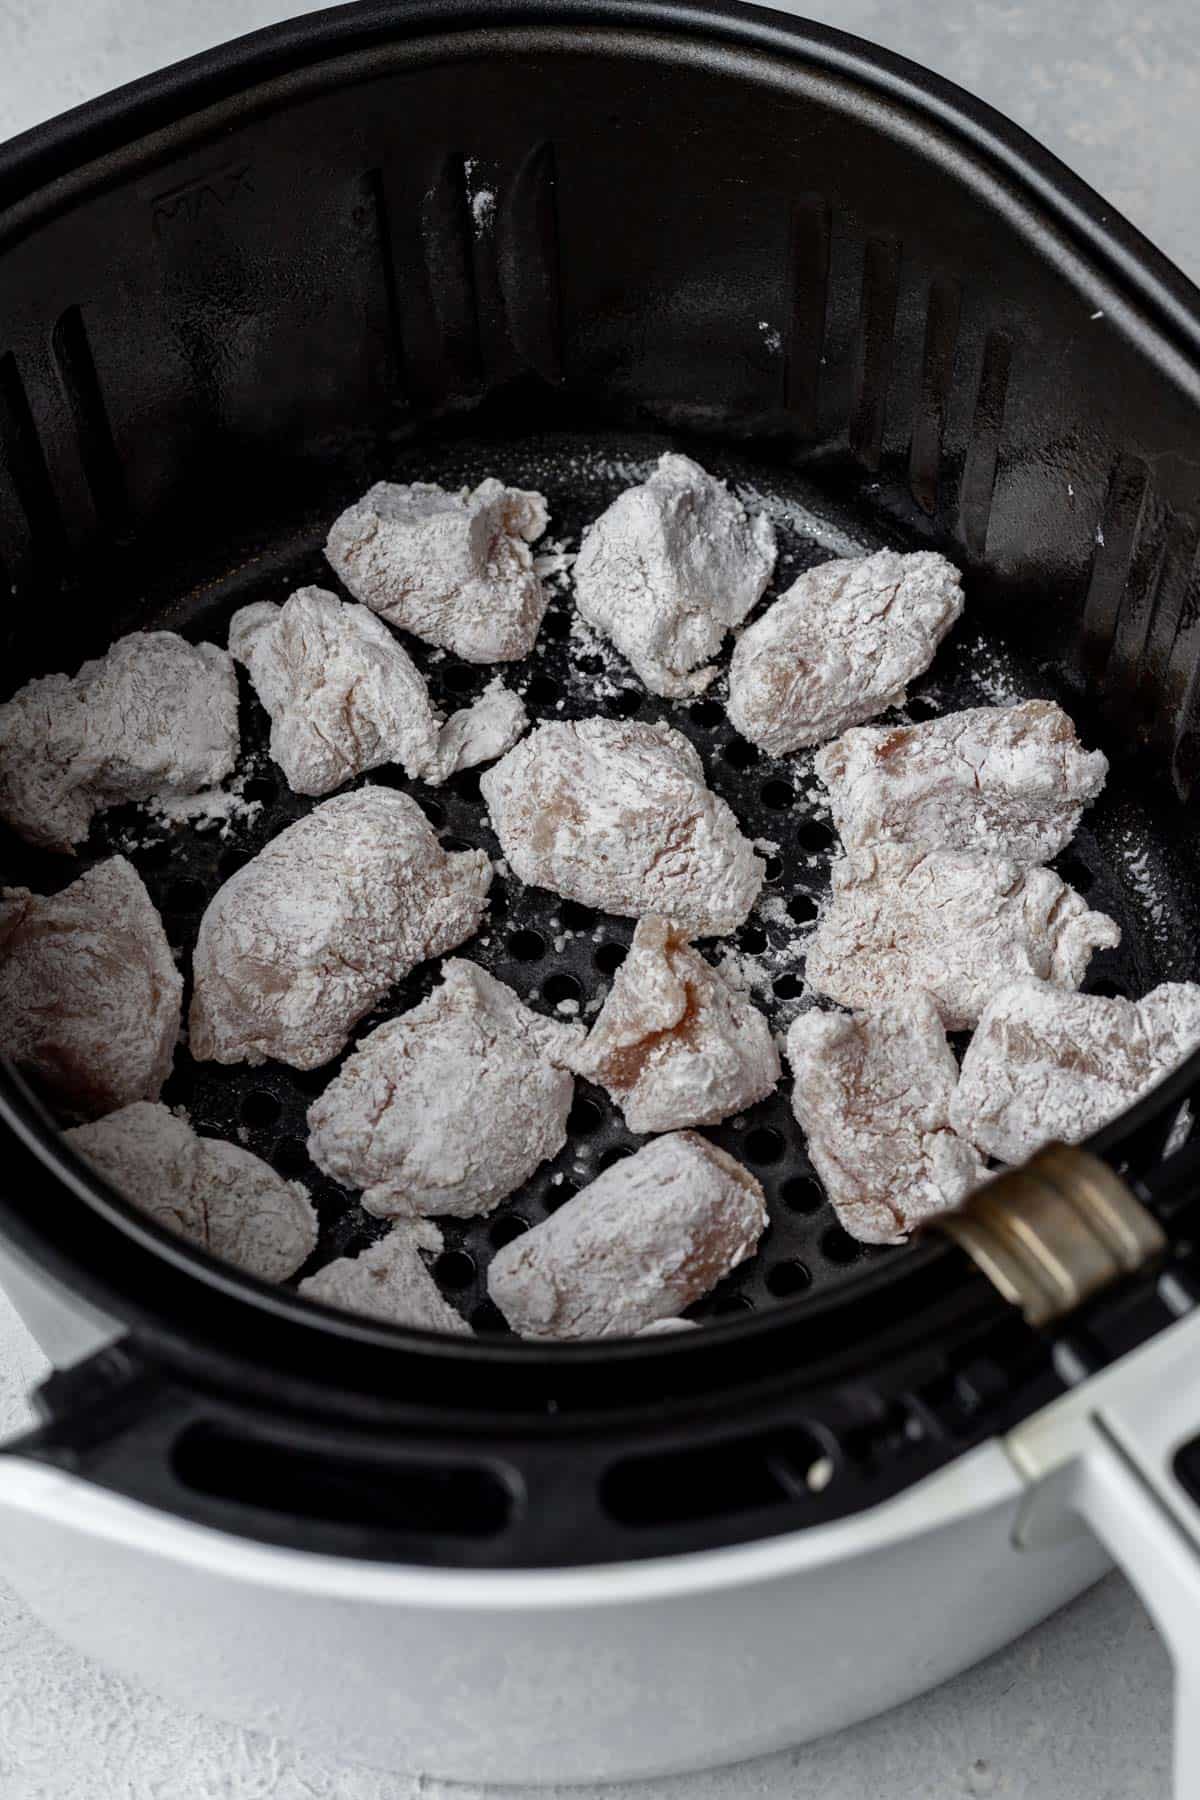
736	1475
463	1500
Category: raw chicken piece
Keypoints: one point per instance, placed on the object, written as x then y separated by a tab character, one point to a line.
307	937
617	815
646	1239
840	646
154	716
454	569
1008	779
675	1044
668	569
390	1281
451	1106
952	923
89	993
344	696
1046	1065
873	1095
220	1196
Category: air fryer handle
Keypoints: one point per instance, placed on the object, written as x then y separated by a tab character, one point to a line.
1122	1454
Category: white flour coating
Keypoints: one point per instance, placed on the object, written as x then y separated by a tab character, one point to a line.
675	1044
660	1326
218	1195
872	1096
840	646
650	1235
668	569
154	715
1011	779
951	923
617	814
390	1281
344	696
89	993
454	569
312	932
451	1106
221	808
1046	1065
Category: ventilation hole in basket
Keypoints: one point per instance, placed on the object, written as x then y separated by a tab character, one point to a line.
609	957
185	896
454	1270
707	714
919	710
774	869
290	1157
739	754
1105	990
556	625
261	788
584	1117
504	1230
788	987
459	678
260	1108
557	988
837	1246
558	1196
763	1144
542	690
802	1194
527	946
625	704
816	837
802	908
487	1319
466	784
727	1304
434	811
575	917
618	1153
497	902
312	1081
787	1278
777	794
231	862
454	846
752	939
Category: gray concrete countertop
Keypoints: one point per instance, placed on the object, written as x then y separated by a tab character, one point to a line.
1079	1710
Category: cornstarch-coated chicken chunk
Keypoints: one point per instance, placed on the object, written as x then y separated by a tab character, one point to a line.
344	696
390	1281
454	569
668	569
451	1106
1046	1065
220	1196
840	646
873	1094
675	1044
89	993
1013	780
648	1237
954	924
618	815
154	716
312	933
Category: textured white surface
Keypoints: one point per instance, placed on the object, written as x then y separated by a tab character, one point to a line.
1079	1708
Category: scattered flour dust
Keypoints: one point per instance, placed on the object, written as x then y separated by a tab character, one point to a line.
216	809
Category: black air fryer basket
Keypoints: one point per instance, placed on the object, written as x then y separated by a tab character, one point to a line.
548	241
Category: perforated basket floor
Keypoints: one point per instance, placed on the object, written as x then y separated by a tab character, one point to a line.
560	956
